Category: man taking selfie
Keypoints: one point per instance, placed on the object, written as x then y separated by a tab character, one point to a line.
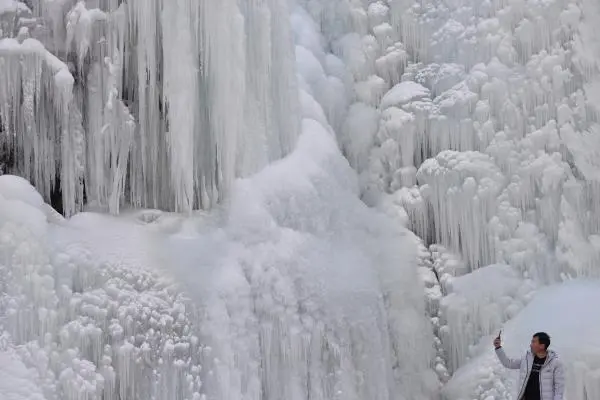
541	375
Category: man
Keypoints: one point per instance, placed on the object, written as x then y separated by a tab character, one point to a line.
541	375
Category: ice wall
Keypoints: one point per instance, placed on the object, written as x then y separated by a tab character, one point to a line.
281	296
294	289
160	105
475	124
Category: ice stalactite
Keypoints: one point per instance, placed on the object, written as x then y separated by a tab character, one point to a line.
462	189
181	70
37	96
283	85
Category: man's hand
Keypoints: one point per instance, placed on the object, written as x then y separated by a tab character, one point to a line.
498	341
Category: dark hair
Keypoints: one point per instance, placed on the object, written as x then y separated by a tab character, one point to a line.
543	338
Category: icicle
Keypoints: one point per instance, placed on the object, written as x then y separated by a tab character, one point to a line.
259	103
180	89
284	86
454	179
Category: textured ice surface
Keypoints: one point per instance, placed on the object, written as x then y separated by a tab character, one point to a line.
291	289
472	123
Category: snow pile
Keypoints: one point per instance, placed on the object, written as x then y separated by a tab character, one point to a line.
403	93
569	315
283	279
16	188
22	204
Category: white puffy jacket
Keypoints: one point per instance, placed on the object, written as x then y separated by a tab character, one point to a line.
552	374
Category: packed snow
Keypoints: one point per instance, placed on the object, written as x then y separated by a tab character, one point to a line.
316	135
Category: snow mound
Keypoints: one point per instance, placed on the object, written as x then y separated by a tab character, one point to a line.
15	192
569	313
16	188
21	204
284	289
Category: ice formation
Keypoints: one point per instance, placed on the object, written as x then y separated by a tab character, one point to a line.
473	124
280	295
276	294
150	107
483	142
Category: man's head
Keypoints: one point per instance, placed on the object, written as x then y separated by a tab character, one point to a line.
540	342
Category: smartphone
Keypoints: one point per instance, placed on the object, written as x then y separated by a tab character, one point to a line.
499	333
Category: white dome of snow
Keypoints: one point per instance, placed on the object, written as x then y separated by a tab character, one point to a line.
16	188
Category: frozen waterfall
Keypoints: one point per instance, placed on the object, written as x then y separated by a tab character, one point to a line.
155	104
299	199
290	289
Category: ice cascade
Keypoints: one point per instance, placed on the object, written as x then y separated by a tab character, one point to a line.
156	105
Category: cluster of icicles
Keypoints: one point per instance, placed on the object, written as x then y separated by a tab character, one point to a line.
158	107
96	332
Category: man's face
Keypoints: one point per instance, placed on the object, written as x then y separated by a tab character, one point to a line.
536	346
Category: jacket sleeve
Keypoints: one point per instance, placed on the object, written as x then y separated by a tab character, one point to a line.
559	381
511	363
